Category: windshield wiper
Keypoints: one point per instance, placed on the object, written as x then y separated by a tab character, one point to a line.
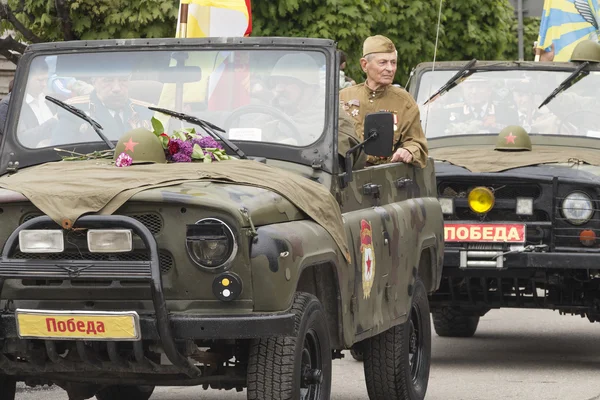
207	126
464	72
74	110
567	83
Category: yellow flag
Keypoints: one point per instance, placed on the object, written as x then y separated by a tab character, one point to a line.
216	18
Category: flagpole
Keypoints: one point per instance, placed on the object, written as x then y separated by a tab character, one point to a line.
183	19
520	28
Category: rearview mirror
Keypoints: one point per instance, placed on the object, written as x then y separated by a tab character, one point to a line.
181	74
381	126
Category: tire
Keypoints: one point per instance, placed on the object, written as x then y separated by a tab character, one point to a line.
451	322
8	387
357	354
397	361
123	392
288	367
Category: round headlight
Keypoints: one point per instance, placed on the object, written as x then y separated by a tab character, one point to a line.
577	208
211	244
481	200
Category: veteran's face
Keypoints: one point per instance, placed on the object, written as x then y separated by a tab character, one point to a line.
380	68
113	91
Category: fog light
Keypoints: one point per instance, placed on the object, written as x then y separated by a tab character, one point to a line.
524	206
447	205
481	200
41	241
109	240
587	237
227	286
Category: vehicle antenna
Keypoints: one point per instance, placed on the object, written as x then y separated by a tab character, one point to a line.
437	36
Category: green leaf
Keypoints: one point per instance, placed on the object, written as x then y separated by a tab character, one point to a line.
197	153
158	127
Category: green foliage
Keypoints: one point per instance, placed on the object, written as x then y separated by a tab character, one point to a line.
531	29
98	19
482	29
469	28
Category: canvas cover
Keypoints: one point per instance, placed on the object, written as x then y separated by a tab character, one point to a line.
486	159
66	190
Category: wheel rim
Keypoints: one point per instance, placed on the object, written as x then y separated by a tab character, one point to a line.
415	343
311	367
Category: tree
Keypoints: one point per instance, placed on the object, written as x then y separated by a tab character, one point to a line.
35	21
469	28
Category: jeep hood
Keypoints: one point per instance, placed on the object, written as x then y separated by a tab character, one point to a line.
483	158
66	190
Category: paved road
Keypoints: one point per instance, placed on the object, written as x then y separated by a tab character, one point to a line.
516	354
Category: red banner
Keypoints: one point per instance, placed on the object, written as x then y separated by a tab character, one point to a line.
484	233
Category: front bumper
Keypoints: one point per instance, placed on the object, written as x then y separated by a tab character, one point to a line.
164	327
529	260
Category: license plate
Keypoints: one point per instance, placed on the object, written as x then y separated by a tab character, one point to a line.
69	325
484	233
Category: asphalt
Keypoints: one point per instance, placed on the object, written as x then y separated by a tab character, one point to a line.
515	354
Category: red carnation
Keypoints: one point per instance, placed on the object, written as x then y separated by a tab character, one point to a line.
173	147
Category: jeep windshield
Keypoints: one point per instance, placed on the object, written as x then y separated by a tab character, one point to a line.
487	101
275	96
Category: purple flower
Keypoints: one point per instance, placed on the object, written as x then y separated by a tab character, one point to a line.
207	142
186	148
124	160
180	157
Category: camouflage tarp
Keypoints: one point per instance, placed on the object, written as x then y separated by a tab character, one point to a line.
486	159
66	190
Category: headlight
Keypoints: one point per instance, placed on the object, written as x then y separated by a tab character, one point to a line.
481	200
447	205
41	241
211	244
577	208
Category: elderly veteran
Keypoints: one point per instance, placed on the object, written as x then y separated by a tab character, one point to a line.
378	94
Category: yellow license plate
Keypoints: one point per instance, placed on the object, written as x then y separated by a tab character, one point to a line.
86	325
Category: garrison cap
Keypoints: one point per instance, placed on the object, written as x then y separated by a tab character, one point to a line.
378	44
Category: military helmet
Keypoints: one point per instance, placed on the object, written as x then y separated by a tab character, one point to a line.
586	50
513	138
142	145
301	67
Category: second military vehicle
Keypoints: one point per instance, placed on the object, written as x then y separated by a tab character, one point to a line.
517	153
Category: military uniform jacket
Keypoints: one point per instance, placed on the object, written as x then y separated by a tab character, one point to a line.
359	100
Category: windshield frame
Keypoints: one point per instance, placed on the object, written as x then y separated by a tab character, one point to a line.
491	66
320	152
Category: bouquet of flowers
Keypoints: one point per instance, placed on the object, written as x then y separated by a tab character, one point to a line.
188	146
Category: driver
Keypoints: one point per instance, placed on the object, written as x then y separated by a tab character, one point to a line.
294	82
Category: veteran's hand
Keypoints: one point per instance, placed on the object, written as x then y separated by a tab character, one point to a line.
402	155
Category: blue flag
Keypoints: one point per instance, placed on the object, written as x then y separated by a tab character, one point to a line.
566	23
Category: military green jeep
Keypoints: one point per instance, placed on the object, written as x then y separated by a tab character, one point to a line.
248	251
517	153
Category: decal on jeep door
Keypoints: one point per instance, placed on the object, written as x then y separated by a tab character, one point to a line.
368	257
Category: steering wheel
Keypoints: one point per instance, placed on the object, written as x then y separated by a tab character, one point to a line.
574	129
263	109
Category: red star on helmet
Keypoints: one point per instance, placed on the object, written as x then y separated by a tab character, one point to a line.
510	138
130	145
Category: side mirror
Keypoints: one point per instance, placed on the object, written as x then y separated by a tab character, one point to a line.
379	134
379	141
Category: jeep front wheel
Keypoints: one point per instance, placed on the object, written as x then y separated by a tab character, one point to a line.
397	361
8	386
452	322
122	392
294	367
